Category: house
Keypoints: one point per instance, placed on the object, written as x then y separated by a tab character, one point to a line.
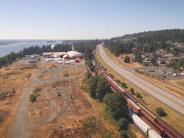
161	61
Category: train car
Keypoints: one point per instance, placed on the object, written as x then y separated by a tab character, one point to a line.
147	113
146	129
130	96
134	107
153	134
169	132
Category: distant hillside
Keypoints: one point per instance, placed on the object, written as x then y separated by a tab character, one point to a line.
174	35
146	41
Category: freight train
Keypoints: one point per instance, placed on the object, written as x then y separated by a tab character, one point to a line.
161	129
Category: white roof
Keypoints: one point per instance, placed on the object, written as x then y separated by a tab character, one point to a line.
73	54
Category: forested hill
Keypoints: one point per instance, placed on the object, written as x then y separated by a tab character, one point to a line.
174	35
146	41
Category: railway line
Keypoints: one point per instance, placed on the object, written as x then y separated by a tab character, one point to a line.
146	120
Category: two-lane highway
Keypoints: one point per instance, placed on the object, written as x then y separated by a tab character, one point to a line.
164	96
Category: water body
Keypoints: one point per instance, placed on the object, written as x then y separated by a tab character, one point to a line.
17	46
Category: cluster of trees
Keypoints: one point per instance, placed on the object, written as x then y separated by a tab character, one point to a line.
9	59
177	63
145	41
98	88
86	47
115	104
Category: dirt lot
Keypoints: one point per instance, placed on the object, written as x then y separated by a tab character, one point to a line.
173	119
13	80
51	104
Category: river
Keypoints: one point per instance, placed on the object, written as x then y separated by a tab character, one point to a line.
19	45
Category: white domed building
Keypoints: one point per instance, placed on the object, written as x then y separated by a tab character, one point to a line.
73	54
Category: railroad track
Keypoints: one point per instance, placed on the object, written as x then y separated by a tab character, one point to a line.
156	126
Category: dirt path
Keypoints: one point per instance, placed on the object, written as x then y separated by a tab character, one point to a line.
20	128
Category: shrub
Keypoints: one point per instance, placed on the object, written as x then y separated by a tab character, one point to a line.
127	59
138	95
37	89
111	75
66	75
123	134
132	91
123	124
1	119
160	112
3	95
88	75
124	85
32	98
118	81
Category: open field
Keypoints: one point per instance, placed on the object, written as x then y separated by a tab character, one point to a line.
173	118
13	81
61	108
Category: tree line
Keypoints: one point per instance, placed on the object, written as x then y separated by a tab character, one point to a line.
115	104
85	47
146	42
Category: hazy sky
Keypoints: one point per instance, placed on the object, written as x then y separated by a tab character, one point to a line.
86	19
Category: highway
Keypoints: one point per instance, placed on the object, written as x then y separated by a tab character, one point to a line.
165	97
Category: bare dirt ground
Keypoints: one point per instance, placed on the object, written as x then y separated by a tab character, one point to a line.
13	81
61	108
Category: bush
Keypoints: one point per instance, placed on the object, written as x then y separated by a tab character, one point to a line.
36	91
123	124
111	75
3	95
1	119
66	75
138	95
123	134
124	85
132	91
32	98
160	112
88	75
127	59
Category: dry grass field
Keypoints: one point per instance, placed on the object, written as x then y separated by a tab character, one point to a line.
13	80
54	104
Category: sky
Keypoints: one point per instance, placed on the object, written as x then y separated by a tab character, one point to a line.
86	19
